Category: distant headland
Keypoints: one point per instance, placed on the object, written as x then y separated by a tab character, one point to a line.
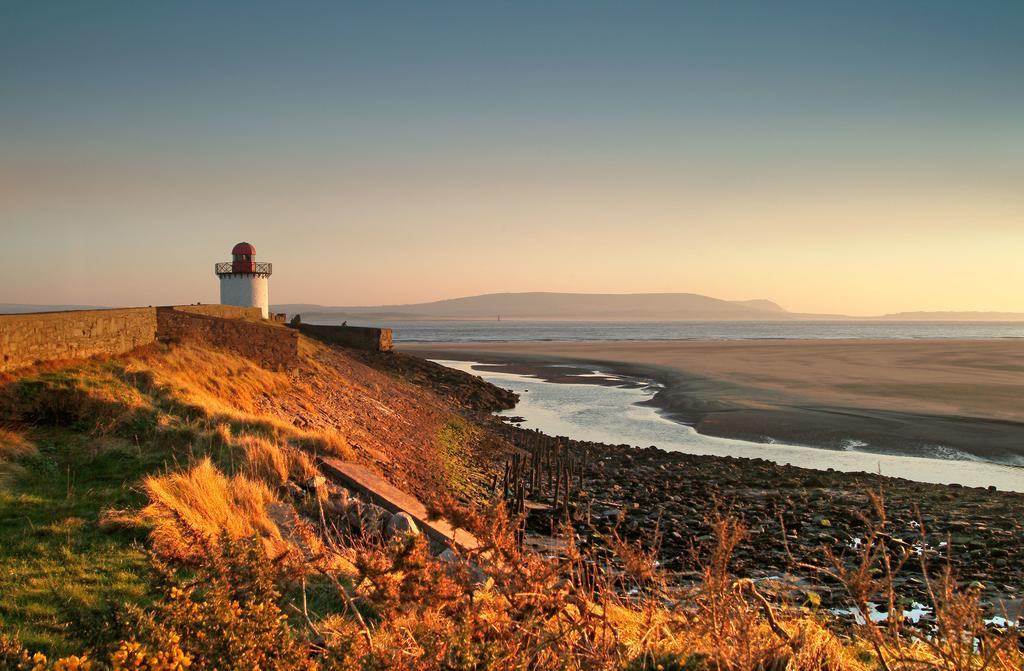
610	307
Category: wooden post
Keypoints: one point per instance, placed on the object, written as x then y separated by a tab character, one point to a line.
504	481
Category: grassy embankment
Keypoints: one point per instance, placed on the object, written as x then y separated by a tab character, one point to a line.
78	444
156	515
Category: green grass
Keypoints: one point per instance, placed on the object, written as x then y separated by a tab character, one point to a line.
454	440
98	431
60	573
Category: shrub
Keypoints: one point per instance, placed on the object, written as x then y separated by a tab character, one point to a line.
227	616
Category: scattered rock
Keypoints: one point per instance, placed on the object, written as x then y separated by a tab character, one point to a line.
400	525
316	484
669	499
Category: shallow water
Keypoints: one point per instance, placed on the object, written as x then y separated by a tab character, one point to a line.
614	414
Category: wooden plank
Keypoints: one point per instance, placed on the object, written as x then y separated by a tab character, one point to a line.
361	480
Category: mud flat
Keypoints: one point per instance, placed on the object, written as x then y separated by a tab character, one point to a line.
909	397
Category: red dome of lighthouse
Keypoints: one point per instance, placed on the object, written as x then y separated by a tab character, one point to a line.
243	255
243	248
243	261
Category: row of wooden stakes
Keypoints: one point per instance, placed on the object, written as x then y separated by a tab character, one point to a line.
542	470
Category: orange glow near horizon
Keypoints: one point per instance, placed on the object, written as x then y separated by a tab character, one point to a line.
811	249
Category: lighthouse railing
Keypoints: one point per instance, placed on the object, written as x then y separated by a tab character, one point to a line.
227	268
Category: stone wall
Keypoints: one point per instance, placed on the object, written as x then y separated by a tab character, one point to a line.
222	311
273	347
26	339
357	337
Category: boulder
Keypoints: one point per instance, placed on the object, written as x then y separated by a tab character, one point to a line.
401	525
373	518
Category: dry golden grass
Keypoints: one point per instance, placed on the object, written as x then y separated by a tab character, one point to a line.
229	389
204	502
273	463
219	382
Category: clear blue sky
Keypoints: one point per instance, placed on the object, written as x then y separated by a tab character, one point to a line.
859	156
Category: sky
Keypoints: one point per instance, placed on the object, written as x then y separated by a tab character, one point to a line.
847	157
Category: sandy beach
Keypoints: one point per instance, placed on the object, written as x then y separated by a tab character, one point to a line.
901	395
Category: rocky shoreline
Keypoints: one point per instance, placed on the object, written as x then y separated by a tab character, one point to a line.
668	499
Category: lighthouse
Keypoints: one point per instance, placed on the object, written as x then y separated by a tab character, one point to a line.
244	282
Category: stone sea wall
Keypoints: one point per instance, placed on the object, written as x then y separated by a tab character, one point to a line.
26	339
273	347
222	311
357	337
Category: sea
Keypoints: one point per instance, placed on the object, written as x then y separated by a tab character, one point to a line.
622	413
506	330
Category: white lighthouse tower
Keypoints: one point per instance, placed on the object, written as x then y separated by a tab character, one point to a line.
244	282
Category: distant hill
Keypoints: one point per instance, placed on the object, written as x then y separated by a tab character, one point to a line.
543	305
762	304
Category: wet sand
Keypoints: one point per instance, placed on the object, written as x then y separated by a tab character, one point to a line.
900	396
